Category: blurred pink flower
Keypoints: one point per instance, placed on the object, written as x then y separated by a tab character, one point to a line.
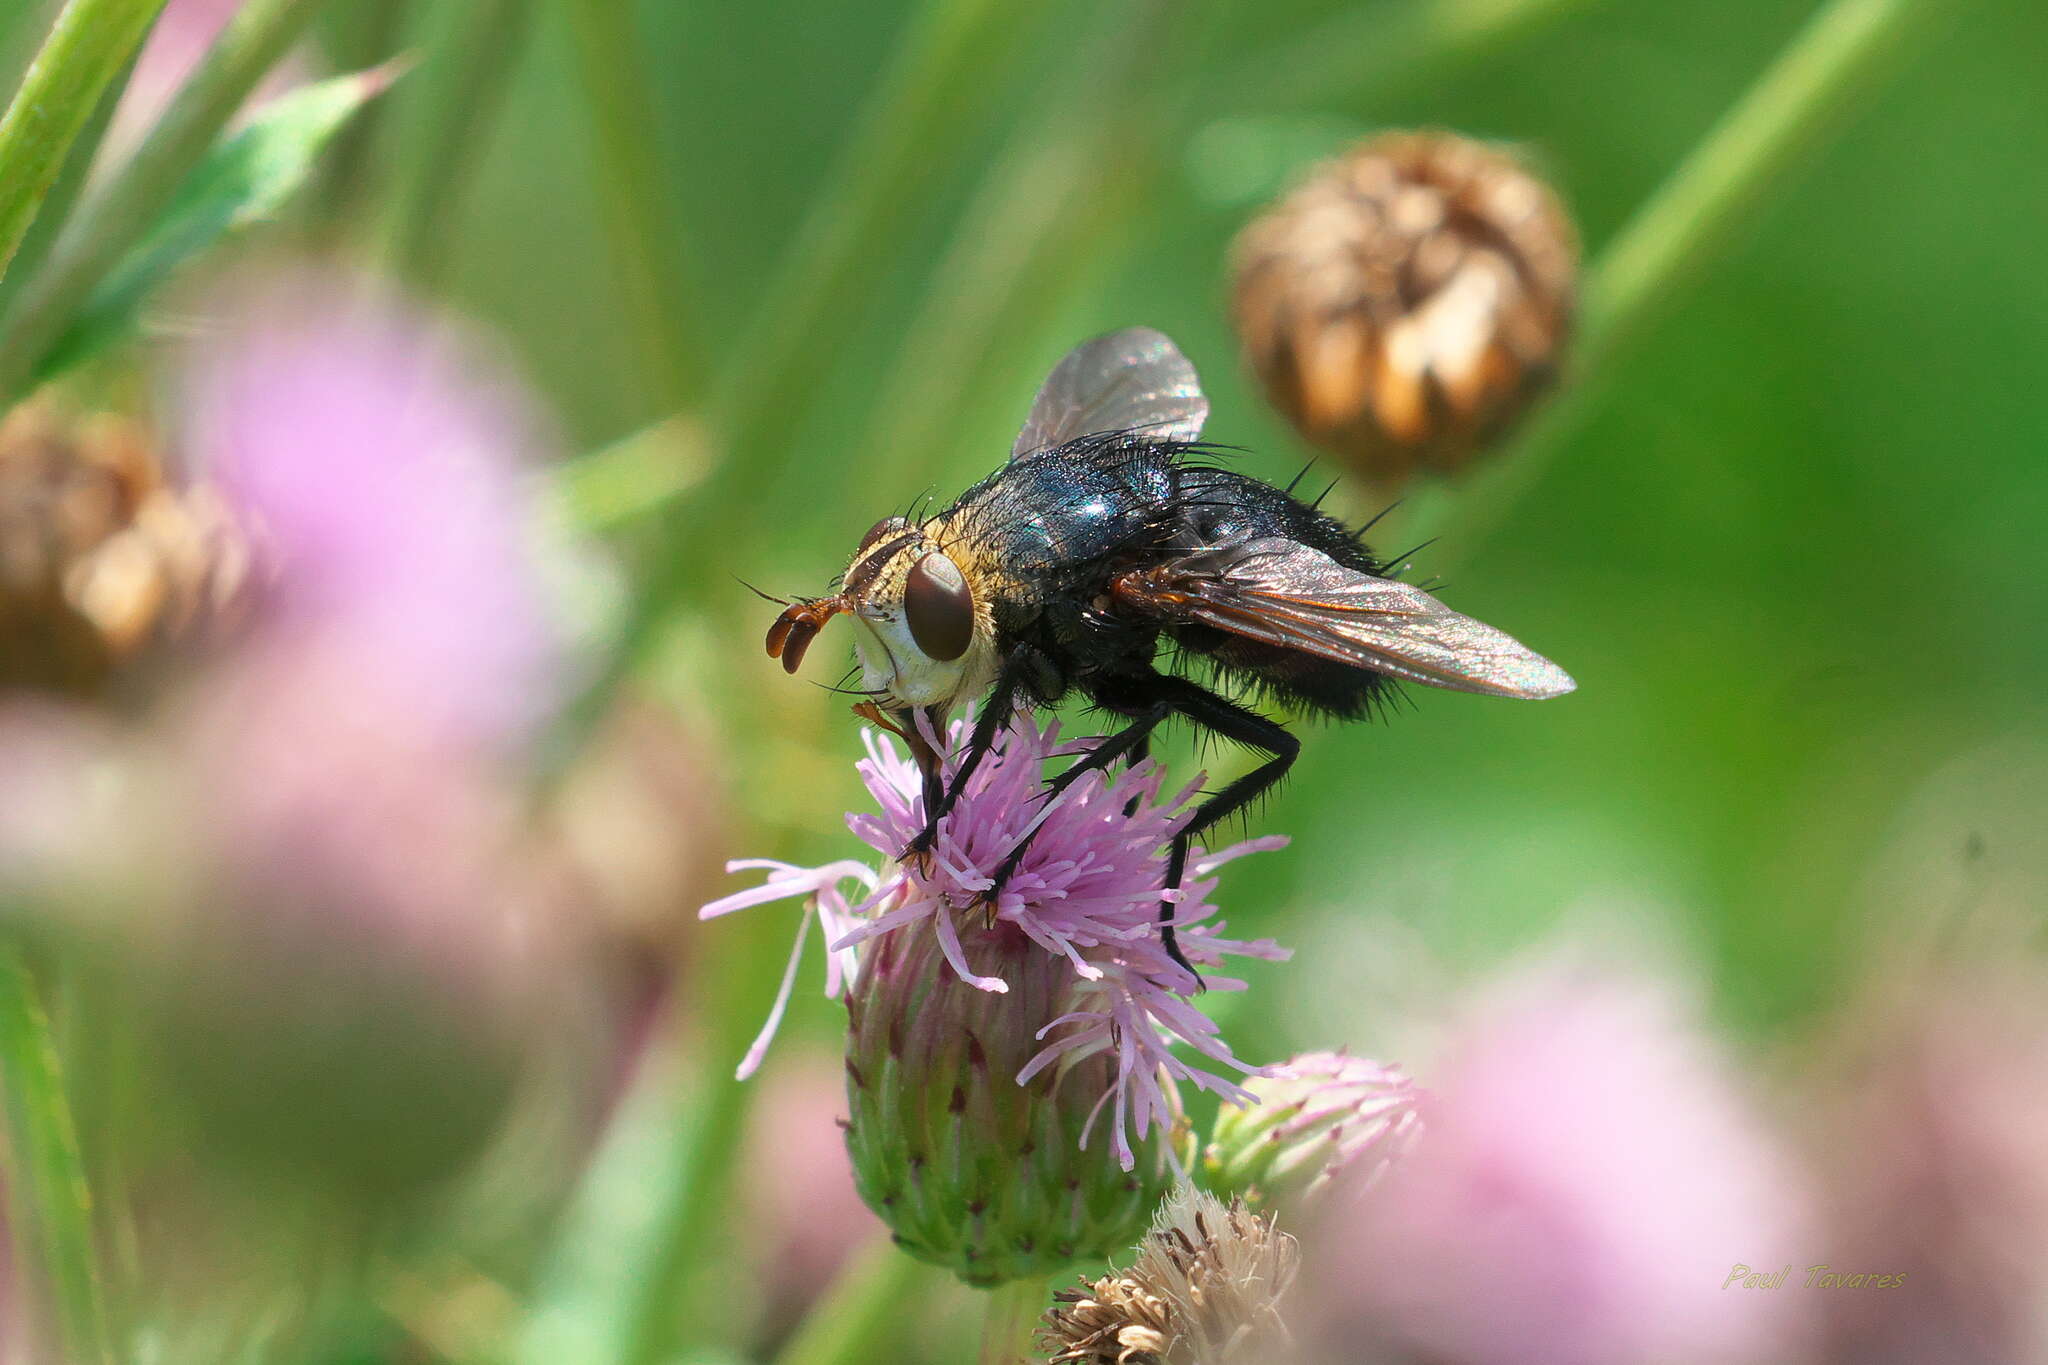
1586	1178
337	924
1086	895
355	982
1936	1161
383	457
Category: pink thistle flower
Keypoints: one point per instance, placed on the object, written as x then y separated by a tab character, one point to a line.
1587	1175
1086	894
382	456
1321	1119
1932	1170
313	852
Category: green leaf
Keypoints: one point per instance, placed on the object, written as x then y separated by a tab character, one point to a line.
245	179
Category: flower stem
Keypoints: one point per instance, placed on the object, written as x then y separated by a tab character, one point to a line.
639	212
1013	1311
87	47
862	1314
117	216
51	1203
448	109
1841	55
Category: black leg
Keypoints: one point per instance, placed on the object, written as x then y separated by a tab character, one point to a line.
995	714
1139	754
1128	741
1148	699
1234	722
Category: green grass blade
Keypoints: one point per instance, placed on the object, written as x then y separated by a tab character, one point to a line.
46	1172
64	195
639	211
87	47
438	126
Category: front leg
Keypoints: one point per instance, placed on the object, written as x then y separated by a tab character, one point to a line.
939	796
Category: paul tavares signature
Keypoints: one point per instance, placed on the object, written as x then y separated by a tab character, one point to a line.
1817	1277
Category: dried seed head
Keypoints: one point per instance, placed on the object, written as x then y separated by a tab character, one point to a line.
101	563
1322	1116
1205	1289
1408	301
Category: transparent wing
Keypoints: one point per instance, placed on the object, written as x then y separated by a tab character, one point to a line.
1290	595
1135	379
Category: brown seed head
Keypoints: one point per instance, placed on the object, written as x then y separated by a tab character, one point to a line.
1405	303
1205	1289
100	561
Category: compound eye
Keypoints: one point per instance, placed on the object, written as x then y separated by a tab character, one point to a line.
939	608
877	531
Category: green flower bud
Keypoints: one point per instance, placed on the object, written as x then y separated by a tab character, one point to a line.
969	1169
1320	1116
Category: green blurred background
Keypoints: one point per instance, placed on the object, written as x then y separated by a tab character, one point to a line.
1791	552
1793	555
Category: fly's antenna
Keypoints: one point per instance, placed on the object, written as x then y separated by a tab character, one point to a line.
764	596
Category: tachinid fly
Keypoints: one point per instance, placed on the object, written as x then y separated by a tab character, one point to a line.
1109	533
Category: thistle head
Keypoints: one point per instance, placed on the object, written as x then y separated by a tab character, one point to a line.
1012	1067
1318	1119
971	1168
106	564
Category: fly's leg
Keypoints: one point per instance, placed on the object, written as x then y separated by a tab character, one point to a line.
940	797
1233	722
1141	751
1131	740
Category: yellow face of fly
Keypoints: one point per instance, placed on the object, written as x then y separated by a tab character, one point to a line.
924	637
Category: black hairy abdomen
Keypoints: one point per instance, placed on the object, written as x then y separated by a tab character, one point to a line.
1221	507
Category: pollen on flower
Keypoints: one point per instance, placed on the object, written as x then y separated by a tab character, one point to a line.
1085	896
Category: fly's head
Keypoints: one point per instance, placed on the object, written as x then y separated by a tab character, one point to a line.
924	638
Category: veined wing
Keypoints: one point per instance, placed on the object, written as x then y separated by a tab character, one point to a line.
1133	380
1287	594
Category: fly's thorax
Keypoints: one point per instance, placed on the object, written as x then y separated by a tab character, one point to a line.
925	633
